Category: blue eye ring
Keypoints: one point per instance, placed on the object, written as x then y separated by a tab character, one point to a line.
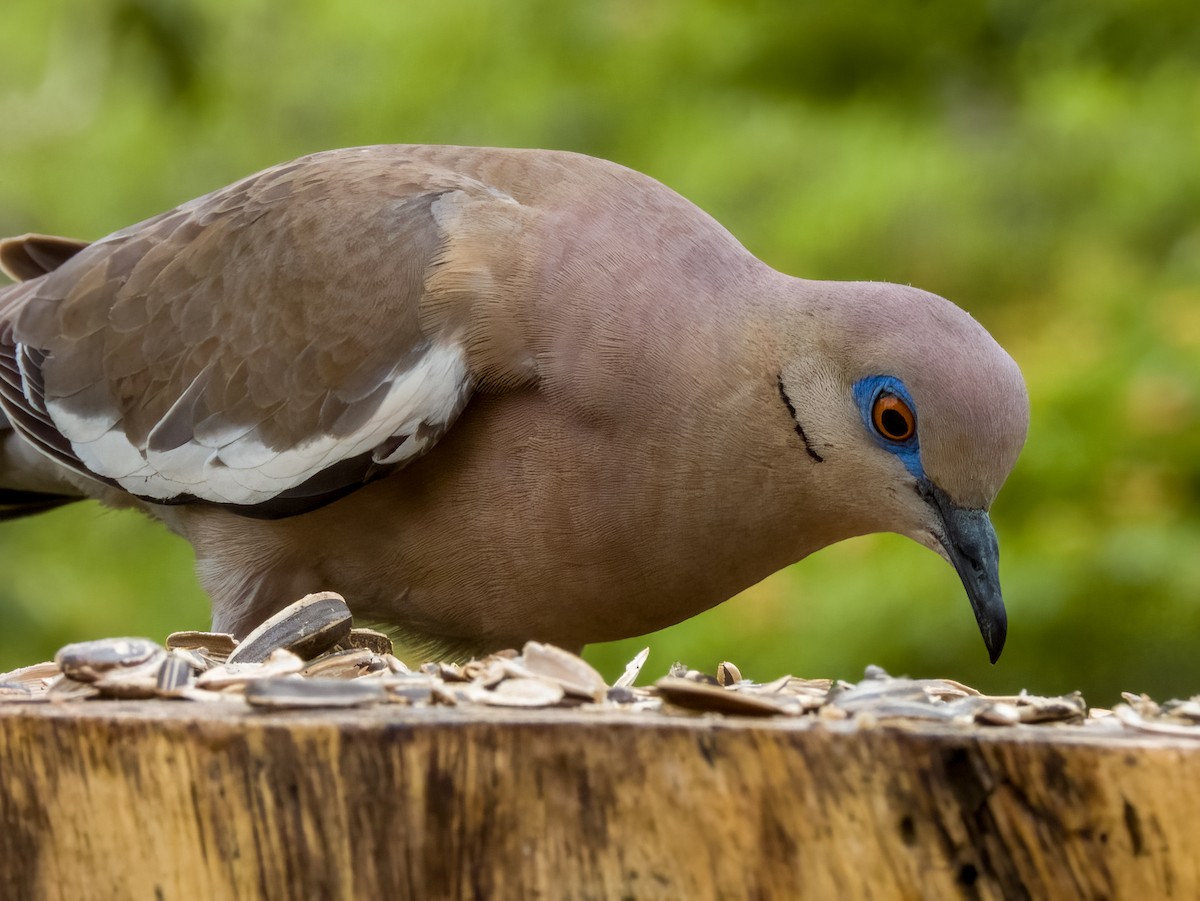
888	396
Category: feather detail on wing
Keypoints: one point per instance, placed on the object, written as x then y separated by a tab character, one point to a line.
262	347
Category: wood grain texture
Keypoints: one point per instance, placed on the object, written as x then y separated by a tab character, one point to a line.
162	800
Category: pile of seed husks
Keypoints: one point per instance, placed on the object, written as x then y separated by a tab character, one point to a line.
309	656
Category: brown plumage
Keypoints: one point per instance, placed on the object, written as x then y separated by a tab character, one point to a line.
491	395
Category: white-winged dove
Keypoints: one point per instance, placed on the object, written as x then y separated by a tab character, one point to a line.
492	395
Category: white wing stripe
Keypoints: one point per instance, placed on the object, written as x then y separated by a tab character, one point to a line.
246	471
21	352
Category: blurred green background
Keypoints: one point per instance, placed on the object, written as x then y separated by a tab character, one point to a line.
1038	163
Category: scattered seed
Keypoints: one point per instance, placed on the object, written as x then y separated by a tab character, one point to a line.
11	691
375	642
410	694
728	674
310	626
347	664
632	669
217	644
67	689
1187	710
394	664
87	661
775	685
198	659
520	693
444	695
237	675
291	692
622	694
36	678
694	695
447	672
999	714
1131	718
576	676
176	673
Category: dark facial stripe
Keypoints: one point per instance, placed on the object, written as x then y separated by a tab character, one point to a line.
799	428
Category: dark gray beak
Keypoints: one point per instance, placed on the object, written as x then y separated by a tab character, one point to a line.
970	542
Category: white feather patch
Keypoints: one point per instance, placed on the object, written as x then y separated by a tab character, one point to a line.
247	471
22	367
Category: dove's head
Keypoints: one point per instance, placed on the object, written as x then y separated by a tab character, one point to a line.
916	416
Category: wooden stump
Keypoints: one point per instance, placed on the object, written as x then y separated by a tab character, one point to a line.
156	799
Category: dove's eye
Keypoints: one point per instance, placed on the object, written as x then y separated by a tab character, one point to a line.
892	418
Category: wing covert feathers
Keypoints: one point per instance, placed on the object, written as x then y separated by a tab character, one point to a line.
270	346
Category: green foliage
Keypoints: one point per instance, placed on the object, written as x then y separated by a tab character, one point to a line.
1037	163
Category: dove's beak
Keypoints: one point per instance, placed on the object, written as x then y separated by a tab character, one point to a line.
969	542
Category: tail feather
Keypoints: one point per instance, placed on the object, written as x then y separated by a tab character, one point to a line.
29	481
31	256
15	504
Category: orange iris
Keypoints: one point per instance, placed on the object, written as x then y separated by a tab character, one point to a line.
893	419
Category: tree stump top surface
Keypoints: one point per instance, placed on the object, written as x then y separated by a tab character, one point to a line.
174	800
217	718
